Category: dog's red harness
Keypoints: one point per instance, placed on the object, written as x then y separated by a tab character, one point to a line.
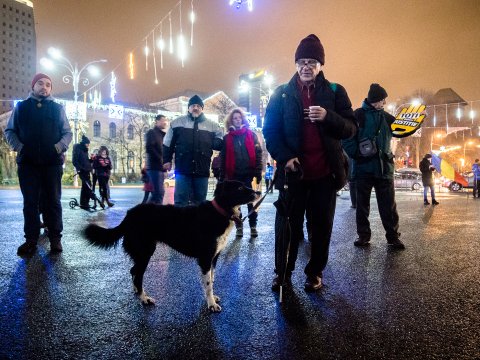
226	213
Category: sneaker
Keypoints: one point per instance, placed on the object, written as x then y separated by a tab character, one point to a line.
435	202
109	203
425	202
396	244
56	246
276	282
239	232
27	248
313	283
362	242
253	232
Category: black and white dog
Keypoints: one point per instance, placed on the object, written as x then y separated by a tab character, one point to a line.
199	232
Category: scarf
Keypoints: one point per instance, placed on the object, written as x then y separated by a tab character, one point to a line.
230	152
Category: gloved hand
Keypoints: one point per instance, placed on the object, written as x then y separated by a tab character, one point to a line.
58	148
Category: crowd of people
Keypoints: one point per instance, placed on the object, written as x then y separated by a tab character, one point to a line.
316	139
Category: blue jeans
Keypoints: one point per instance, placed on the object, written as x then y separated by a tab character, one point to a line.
156	178
190	190
425	191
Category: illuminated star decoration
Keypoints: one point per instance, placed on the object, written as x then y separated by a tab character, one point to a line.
239	3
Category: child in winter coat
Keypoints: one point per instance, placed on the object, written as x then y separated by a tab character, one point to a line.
103	165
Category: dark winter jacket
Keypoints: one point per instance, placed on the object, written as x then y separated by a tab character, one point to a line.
427	172
374	125
38	130
154	149
80	158
242	160
283	127
192	141
102	166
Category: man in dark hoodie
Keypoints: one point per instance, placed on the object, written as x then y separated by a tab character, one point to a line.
191	139
154	163
304	123
373	167
39	132
83	164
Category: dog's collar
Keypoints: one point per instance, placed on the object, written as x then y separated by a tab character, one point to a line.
226	213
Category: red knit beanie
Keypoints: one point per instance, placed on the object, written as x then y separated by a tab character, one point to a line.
38	77
310	48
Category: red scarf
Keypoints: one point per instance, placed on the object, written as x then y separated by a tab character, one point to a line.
230	153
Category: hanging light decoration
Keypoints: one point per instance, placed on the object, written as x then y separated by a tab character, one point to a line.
238	4
154	59
181	48
192	20
130	66
161	46
147	51
171	35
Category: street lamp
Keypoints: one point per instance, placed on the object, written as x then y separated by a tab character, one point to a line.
74	77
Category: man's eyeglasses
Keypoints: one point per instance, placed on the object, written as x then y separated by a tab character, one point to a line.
311	63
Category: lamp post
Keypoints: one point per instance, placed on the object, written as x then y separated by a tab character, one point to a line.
73	77
264	93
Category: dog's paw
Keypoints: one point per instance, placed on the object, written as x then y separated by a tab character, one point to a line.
214	308
146	300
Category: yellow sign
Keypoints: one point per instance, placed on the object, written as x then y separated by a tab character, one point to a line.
408	120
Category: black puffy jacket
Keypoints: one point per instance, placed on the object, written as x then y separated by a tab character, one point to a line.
192	141
283	127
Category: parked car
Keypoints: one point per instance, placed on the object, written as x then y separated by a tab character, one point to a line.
408	178
454	186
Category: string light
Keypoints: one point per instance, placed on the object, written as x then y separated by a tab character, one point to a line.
154	59
239	3
147	51
113	89
171	35
181	40
131	66
192	20
161	45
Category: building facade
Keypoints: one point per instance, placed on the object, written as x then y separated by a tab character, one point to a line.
17	51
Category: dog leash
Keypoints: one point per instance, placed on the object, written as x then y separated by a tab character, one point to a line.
259	202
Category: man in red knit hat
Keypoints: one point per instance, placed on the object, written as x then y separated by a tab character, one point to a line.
39	132
304	123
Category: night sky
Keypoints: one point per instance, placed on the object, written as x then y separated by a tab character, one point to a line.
403	45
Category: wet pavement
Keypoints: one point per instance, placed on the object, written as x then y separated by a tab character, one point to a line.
420	303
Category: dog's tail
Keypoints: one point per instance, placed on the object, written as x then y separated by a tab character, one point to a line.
102	237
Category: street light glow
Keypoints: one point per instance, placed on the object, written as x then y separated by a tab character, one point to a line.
93	70
416	102
54	53
47	63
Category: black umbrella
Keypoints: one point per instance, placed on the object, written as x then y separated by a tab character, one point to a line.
283	232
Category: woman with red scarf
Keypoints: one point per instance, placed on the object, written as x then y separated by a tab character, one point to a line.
241	159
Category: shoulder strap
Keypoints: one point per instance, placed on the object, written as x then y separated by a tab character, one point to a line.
333	86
